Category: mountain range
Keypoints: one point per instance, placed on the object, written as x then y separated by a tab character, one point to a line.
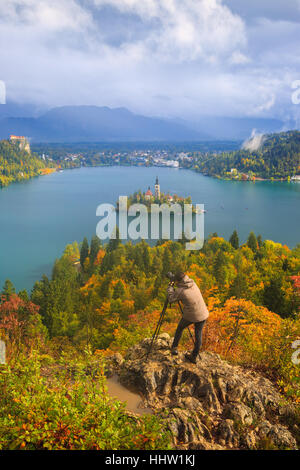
96	124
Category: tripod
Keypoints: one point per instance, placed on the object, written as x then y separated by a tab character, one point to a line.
159	323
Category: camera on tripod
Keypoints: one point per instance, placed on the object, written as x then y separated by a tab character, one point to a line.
171	276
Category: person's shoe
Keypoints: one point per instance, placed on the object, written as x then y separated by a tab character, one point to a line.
174	352
191	358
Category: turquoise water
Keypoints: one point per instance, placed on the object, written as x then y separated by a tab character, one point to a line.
39	217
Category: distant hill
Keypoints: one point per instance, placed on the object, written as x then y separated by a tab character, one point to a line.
93	123
12	109
70	124
230	128
275	156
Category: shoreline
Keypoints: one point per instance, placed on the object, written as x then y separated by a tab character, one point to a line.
48	171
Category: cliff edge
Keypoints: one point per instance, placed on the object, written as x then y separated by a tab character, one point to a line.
210	405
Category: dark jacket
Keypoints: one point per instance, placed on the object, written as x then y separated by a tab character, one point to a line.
193	305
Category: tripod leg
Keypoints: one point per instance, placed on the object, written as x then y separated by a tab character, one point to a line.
158	326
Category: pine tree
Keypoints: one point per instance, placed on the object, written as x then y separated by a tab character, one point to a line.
119	291
114	242
8	289
234	240
95	247
23	294
252	242
273	296
84	252
259	241
146	259
167	259
219	268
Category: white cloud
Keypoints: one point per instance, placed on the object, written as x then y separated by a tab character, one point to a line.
197	54
267	105
254	142
53	15
188	29
238	58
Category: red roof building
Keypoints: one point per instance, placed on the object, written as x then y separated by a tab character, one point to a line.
148	194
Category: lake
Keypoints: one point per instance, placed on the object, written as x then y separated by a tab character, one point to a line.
39	217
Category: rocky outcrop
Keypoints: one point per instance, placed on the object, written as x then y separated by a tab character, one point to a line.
210	405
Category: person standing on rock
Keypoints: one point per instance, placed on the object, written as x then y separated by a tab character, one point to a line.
194	311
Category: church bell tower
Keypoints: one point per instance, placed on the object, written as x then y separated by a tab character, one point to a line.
157	189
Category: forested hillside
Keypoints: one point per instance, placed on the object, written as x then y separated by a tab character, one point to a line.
17	164
103	300
278	157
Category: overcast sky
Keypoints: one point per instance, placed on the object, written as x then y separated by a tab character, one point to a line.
172	58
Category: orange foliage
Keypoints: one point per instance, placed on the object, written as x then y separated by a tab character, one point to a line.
241	329
47	171
91	284
100	256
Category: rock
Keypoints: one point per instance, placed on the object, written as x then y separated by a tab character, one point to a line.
191	403
227	434
279	435
238	412
113	364
209	405
250	440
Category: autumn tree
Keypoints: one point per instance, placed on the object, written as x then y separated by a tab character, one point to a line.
21	322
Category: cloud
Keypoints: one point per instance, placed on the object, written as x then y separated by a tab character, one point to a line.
185	29
267	105
201	56
238	58
54	15
279	10
254	142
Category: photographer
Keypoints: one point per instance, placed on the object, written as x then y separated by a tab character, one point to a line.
194	310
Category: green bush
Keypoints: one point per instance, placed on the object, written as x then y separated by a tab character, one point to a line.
66	406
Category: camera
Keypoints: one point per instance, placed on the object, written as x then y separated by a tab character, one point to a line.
171	276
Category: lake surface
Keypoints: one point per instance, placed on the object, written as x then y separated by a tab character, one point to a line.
39	217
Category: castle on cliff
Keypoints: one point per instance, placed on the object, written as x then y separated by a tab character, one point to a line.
21	141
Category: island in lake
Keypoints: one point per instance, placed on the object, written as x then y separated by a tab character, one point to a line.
156	197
